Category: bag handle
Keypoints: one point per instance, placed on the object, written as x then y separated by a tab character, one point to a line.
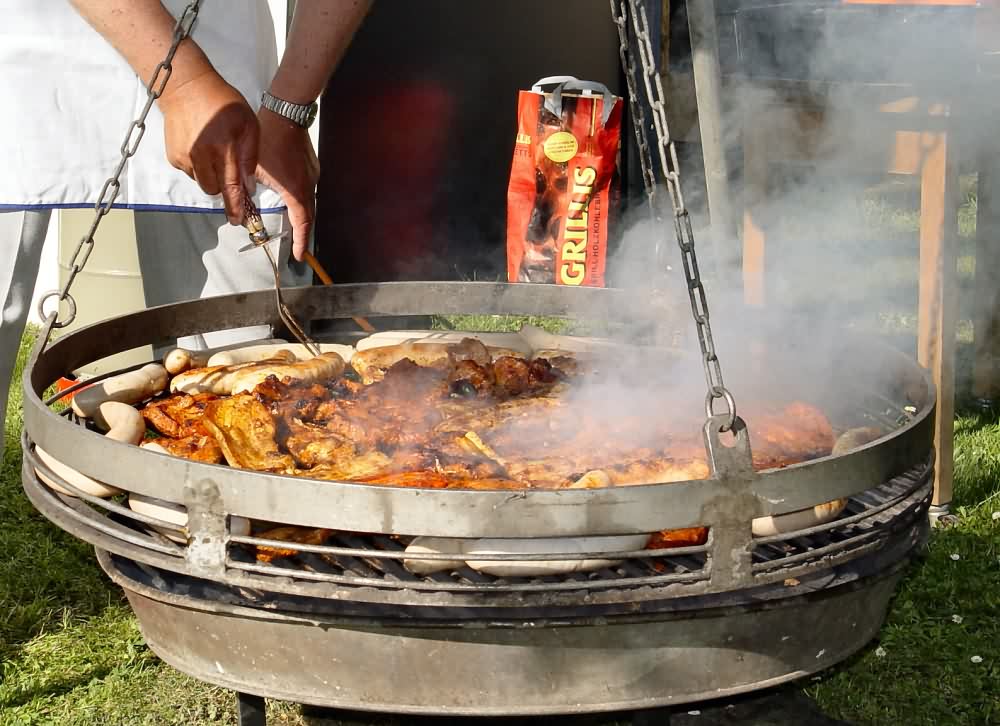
536	87
554	102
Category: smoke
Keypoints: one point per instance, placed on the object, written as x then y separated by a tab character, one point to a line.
823	103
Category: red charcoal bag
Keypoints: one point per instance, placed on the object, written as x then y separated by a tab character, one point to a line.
565	157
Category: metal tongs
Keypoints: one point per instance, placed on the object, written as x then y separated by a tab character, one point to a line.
260	237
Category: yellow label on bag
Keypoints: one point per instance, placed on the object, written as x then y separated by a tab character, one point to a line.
560	147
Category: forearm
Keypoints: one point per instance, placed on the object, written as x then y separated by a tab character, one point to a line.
142	30
320	34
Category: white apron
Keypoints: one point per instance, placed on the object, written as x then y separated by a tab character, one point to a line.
69	98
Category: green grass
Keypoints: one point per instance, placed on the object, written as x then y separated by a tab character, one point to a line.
500	323
72	653
920	671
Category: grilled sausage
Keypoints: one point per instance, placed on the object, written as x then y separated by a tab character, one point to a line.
373	362
71	476
219	379
322	367
179	360
256	353
434	546
519	568
821	513
121	422
132	387
549	545
801	519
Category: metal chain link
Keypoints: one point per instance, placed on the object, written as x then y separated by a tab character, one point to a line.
621	12
639	123
109	192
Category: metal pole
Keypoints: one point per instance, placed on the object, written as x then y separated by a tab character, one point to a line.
708	84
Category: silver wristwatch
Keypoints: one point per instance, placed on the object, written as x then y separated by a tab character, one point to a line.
303	115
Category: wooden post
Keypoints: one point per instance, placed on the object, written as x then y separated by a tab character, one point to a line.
755	165
711	122
986	315
938	295
665	39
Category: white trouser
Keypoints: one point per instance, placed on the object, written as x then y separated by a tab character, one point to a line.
182	257
22	235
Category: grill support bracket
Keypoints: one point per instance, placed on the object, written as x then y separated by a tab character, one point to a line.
732	465
206	550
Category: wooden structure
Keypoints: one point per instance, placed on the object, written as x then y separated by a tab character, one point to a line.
906	132
906	135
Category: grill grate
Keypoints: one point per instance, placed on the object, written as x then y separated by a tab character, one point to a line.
359	566
875	532
357	560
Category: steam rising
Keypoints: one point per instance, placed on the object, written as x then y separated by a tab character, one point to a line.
842	242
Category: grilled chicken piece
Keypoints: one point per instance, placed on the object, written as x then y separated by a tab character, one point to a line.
516	376
178	416
796	433
197	447
311	444
417	479
662	471
468	378
487	418
180	420
437	480
513	376
356	468
246	432
285	400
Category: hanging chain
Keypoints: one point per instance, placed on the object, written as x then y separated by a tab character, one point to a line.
639	124
109	192
621	12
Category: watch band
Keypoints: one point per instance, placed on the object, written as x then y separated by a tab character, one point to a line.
298	113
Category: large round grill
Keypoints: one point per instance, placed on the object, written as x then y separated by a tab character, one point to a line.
332	623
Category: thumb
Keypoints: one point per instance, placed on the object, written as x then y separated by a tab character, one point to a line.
301	211
301	220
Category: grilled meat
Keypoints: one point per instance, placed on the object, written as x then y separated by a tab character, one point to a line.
246	432
471	422
298	535
178	416
796	433
197	447
689	537
180	420
312	444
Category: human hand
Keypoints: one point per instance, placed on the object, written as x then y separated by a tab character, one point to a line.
287	163
212	135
